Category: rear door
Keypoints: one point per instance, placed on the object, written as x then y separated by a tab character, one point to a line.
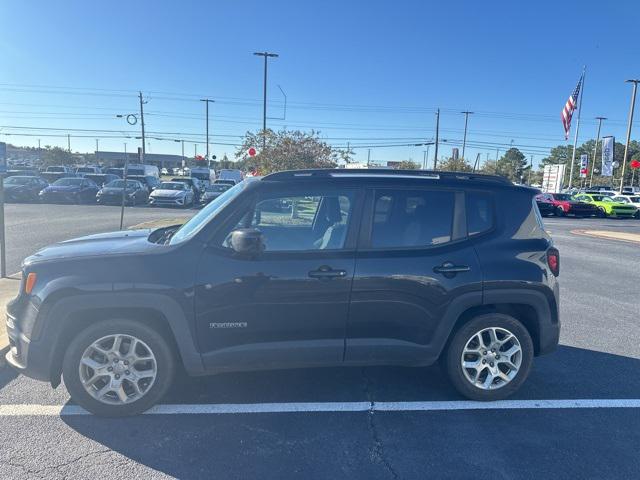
413	261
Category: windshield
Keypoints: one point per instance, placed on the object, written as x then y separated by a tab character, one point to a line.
171	186
55	169
564	197
17	181
205	215
86	170
220	187
120	184
66	182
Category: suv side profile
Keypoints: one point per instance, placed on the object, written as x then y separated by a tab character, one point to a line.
299	269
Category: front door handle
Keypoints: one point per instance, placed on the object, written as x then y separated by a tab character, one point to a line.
327	272
448	269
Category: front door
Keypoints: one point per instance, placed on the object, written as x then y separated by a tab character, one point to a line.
288	305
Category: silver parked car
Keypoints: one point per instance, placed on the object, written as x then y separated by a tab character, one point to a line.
172	194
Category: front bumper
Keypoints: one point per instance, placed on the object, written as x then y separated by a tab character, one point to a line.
168	202
31	358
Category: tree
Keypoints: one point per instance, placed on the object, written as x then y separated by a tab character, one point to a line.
454	165
56	156
407	165
512	164
562	155
286	150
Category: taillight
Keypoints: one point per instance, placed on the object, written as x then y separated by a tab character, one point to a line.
553	260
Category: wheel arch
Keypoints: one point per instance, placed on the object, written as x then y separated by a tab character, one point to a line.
71	315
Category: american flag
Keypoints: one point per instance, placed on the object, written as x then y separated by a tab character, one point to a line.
569	108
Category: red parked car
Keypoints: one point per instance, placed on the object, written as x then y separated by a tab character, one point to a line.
565	204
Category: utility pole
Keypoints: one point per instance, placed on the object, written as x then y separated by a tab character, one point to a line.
38	145
368	157
435	157
207	102
530	169
69	142
266	56
464	139
97	146
595	149
626	146
424	159
142	102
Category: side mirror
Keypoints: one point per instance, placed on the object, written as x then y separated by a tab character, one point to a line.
247	241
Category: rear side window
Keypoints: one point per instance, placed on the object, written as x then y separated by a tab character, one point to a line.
479	212
412	218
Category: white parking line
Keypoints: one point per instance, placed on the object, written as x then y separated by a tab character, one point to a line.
244	408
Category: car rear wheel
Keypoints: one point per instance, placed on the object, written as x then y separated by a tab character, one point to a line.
601	213
489	357
118	368
559	212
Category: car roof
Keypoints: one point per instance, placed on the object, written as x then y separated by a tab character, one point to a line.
384	176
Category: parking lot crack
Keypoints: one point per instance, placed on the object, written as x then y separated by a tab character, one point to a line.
377	451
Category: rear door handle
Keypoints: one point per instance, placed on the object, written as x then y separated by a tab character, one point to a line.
327	272
448	269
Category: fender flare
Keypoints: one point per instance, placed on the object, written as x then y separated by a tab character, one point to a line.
61	312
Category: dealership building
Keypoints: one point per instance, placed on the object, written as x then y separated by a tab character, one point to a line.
117	159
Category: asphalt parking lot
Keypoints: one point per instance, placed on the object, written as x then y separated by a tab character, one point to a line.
578	416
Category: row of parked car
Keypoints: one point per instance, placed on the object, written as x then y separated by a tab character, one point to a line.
108	188
591	203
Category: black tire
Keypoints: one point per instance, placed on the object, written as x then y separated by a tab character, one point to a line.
601	213
453	356
165	358
559	212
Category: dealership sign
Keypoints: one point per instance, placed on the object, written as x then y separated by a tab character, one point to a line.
584	166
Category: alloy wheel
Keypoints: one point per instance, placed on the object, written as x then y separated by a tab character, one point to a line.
491	358
118	369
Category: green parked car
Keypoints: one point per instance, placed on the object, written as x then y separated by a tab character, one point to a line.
608	206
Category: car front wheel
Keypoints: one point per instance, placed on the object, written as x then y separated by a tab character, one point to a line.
118	368
489	357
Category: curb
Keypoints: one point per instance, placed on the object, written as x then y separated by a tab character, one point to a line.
625	237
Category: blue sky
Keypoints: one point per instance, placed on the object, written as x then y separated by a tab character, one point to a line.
367	73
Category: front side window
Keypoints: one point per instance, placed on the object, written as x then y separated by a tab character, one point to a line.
412	218
298	223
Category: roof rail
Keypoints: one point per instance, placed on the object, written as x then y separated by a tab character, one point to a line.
338	172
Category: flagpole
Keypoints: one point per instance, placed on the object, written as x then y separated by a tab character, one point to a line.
575	139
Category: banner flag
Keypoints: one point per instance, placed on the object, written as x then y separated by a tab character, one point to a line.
608	144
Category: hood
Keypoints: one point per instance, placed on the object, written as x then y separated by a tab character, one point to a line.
61	188
167	193
112	243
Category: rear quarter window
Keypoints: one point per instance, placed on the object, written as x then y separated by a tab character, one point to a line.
480	212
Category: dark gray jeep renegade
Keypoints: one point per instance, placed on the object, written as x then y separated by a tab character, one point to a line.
298	269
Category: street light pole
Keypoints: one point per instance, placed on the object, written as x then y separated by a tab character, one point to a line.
207	102
626	146
595	150
124	189
266	55
435	156
464	139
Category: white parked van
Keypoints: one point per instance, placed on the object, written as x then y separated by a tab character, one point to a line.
144	170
